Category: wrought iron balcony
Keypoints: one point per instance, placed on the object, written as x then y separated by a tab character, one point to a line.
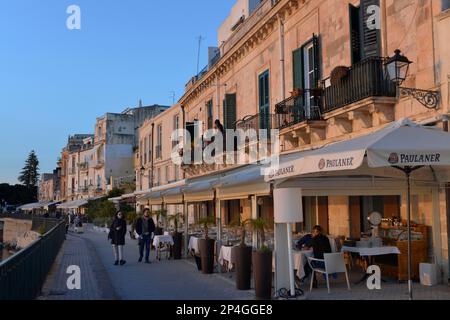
364	79
303	106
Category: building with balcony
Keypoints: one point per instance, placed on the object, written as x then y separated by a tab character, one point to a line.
316	72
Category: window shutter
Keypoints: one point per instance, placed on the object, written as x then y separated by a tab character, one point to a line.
316	44
297	58
355	34
370	38
229	108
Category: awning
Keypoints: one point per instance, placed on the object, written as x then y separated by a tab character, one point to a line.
31	206
403	143
51	204
155	196
242	183
201	189
174	196
73	204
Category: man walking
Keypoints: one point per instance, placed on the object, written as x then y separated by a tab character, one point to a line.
145	227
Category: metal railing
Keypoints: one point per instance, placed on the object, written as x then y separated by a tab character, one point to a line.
23	275
306	106
364	79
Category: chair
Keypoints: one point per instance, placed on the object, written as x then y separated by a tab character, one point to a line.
334	263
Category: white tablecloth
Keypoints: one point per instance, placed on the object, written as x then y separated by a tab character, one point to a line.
226	254
162	240
193	245
300	260
370	252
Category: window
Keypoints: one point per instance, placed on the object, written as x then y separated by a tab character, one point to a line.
264	100
445	5
167	174
141	151
365	41
145	150
229	111
176	172
209	114
159	142
158	176
150	148
176	126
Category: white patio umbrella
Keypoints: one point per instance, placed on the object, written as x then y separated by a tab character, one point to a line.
403	145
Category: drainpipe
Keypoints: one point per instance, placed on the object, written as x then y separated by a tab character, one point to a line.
282	71
150	176
183	111
445	120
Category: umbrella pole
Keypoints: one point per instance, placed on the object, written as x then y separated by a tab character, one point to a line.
408	177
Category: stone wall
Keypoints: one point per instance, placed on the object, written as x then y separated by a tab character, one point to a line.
13	228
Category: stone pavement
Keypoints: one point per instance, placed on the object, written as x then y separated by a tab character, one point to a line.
95	284
161	280
180	280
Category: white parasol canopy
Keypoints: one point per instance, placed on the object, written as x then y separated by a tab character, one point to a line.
400	144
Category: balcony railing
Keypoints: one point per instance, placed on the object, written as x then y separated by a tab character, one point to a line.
303	107
363	80
83	166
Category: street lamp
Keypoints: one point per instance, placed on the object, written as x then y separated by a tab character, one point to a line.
397	68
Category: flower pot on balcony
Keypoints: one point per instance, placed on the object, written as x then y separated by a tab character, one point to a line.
206	247
262	274
177	246
243	265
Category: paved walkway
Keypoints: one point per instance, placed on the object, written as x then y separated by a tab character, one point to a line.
180	280
161	280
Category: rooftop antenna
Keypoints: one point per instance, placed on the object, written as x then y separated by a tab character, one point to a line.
172	95
200	39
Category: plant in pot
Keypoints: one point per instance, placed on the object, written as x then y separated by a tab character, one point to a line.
262	262
243	256
160	214
177	236
207	246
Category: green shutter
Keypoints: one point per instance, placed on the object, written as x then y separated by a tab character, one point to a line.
297	59
229	111
316	43
355	33
370	38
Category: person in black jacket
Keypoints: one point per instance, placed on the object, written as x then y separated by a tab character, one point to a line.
117	233
145	227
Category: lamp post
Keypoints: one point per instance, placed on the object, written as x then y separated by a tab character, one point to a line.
397	68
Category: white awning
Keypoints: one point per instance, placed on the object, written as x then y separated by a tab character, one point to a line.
201	189
242	183
51	204
31	206
73	204
403	143
174	196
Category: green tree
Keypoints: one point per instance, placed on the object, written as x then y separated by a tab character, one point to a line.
30	173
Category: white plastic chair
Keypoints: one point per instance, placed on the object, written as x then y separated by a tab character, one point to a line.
334	263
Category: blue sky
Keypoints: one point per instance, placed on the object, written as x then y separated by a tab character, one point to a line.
55	82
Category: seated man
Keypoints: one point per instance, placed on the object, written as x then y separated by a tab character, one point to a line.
320	244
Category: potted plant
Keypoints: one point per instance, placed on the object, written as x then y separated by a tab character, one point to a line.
243	257
262	262
177	236
160	214
207	246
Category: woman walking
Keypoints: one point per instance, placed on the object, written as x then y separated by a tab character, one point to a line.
117	233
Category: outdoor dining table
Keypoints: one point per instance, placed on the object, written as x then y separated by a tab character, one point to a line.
369	253
226	254
162	243
300	258
193	245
